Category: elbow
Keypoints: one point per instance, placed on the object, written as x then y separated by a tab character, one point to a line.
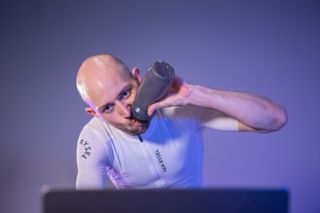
280	119
275	121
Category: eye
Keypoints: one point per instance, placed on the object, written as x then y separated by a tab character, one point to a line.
125	94
108	108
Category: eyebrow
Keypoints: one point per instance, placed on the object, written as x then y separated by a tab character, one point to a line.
105	105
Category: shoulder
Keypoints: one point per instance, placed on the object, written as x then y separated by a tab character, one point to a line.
182	117
94	140
95	131
96	127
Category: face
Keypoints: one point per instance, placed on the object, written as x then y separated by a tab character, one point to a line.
115	100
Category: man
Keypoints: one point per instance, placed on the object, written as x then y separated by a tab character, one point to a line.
169	151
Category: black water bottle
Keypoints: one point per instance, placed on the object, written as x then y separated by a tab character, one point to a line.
154	86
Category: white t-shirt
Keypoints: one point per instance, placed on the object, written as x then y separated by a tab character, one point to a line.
169	156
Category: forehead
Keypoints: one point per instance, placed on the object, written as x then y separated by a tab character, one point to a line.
108	87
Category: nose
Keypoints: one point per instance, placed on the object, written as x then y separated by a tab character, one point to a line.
124	109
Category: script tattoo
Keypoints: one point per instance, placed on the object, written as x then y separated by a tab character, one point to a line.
87	149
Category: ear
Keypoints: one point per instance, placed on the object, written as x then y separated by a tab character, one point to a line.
90	111
136	75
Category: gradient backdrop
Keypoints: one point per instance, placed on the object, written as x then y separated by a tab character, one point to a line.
271	48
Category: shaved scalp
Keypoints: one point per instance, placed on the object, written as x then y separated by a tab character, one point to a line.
96	70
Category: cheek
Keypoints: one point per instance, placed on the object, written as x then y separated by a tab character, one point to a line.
110	118
133	96
113	119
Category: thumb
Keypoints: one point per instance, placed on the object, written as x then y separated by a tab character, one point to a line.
152	108
166	102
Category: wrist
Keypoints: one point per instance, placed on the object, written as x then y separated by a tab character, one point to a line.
192	98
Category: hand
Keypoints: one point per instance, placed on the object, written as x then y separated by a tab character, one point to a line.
177	95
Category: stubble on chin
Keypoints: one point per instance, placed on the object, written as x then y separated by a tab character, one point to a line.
137	131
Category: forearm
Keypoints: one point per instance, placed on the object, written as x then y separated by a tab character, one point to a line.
254	111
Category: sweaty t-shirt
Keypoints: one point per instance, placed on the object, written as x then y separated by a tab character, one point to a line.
170	154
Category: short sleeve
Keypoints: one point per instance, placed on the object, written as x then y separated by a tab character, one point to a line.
218	120
92	159
204	117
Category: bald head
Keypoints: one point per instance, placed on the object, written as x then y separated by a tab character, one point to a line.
96	73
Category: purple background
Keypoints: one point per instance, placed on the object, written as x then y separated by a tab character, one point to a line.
271	48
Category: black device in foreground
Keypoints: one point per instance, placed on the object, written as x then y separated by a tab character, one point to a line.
166	201
154	86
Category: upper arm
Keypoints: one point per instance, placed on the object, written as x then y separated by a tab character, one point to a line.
92	160
218	120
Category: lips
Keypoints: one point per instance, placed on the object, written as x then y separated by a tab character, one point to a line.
133	122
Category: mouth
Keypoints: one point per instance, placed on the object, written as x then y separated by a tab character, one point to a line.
133	121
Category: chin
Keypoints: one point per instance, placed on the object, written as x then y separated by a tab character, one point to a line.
138	130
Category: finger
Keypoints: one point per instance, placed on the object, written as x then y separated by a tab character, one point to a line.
169	101
151	109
